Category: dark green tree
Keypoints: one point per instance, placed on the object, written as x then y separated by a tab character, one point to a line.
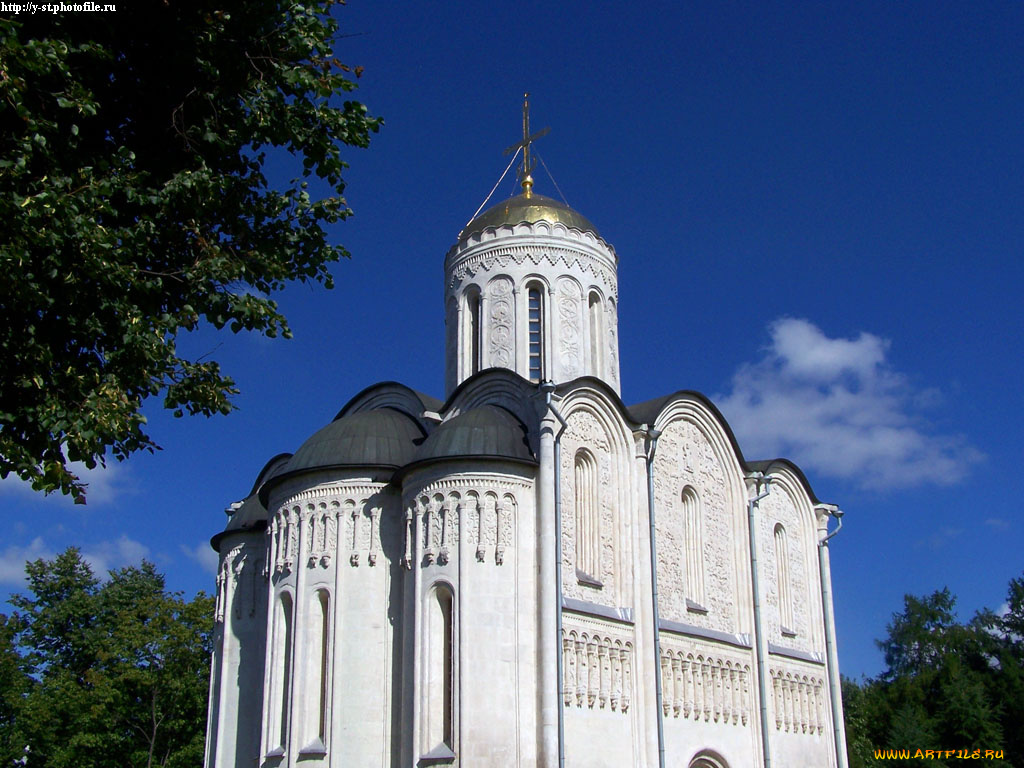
135	202
119	669
947	684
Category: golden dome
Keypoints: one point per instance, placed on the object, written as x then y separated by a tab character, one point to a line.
529	208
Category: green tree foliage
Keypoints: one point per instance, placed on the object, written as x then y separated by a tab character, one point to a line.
135	205
103	674
947	684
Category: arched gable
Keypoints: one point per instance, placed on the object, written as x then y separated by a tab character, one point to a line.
598	432
789	506
700	506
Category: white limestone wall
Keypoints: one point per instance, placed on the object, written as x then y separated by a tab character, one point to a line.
335	546
788	505
694	465
236	689
800	724
709	700
572	269
609	516
473	534
598	681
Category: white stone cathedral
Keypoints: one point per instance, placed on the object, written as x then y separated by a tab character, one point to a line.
470	583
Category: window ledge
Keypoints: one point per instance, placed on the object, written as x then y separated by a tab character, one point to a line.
693	607
440	755
587	580
315	748
787	632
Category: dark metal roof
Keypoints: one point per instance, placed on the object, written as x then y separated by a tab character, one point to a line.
250	516
486	431
426	402
532	209
383	437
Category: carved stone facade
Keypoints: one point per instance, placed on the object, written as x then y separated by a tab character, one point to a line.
687	459
469	582
501	314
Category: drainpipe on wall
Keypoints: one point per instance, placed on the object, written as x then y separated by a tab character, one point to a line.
762	646
547	388
652	436
834	683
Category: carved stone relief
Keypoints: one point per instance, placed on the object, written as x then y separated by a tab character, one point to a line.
597	670
570	338
612	324
502	257
343	519
502	323
444	507
798	701
239	581
585	431
778	507
702	681
684	458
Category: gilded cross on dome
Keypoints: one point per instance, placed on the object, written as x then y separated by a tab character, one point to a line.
526	168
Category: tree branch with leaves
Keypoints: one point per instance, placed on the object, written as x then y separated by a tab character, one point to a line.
133	150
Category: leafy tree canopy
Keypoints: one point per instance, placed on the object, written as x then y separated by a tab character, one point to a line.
947	683
98	674
135	205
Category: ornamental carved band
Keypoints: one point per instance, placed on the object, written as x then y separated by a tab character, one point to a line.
597	671
486	518
569	301
707	687
798	701
502	317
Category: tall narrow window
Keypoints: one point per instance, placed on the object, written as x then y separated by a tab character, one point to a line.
588	529
536	325
694	538
473	329
440	672
596	334
284	666
323	661
785	583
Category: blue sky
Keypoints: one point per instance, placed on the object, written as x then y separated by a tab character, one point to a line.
818	214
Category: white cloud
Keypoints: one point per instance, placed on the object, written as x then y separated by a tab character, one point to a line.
13	559
937	539
108	555
101	557
836	407
105	484
203	555
997	523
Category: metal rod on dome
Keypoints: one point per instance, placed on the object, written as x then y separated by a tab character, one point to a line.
552	177
526	134
495	187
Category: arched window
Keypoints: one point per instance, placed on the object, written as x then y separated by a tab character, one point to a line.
707	759
473	332
785	581
596	316
322	662
284	667
693	535
535	319
440	690
588	519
